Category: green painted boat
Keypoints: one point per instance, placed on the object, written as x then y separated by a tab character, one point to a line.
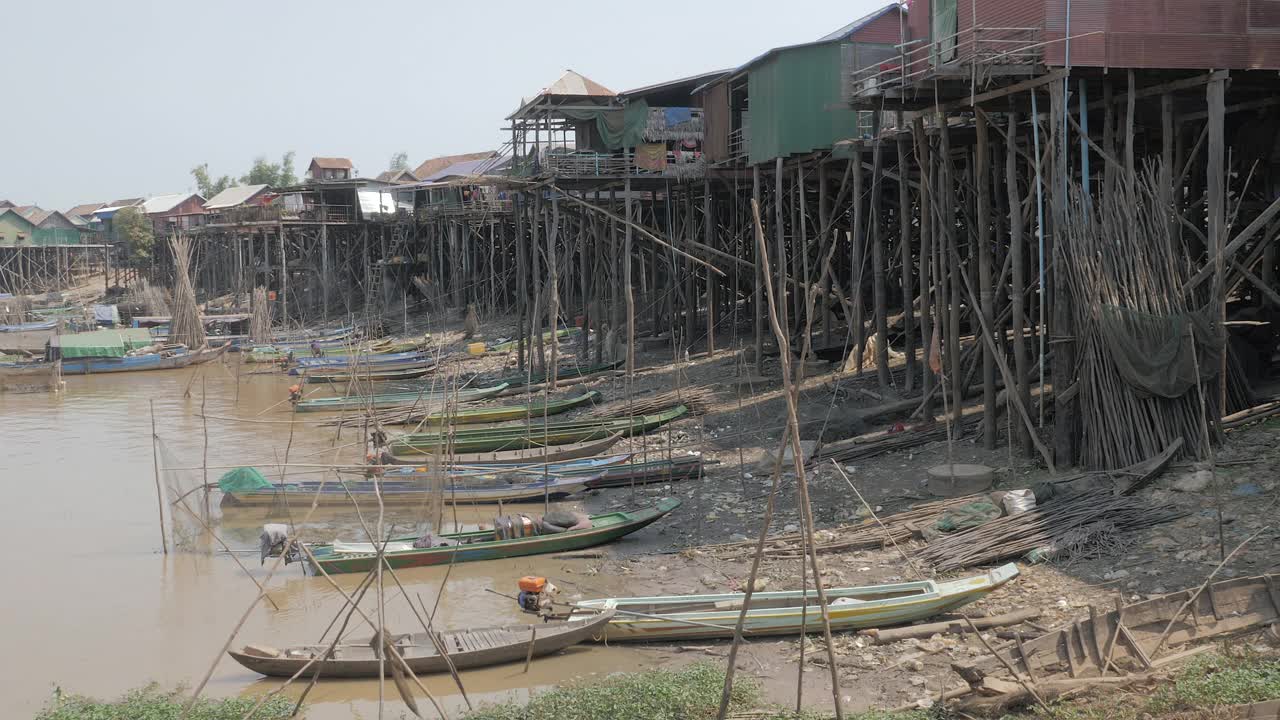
425	398
788	612
501	413
517	437
510	345
562	373
339	557
370	373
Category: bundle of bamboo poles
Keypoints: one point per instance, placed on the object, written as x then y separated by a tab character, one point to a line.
1049	527
697	399
260	320
1127	269
867	535
150	298
184	325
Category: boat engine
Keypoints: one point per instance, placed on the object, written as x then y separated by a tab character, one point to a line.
535	594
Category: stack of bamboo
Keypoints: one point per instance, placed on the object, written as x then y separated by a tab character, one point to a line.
260	320
184	325
1051	527
697	399
1127	273
899	528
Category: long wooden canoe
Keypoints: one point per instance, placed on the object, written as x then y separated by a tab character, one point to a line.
481	545
565	372
426	398
465	649
588	466
645	473
357	360
517	437
789	612
535	454
519	488
408	371
510	345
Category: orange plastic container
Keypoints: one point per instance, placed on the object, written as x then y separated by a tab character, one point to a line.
532	584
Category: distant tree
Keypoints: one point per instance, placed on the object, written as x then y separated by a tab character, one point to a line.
207	186
287	174
133	229
399	161
279	174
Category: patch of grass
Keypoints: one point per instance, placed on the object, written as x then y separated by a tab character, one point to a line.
686	694
1219	680
150	703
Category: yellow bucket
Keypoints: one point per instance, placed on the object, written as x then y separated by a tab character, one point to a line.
476	348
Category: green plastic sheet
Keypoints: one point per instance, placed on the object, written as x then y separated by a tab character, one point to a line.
243	479
102	343
618	128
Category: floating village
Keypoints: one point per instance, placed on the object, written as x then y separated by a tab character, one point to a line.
926	369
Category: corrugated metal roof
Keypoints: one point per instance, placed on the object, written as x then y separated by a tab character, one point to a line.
84	210
436	164
16	214
332	163
856	25
126	202
696	80
164	203
574	83
234	196
837	36
396	176
469	167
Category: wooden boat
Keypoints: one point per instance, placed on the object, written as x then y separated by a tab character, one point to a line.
472	416
465	649
560	334
684	617
518	437
372	374
178	357
341	557
29	326
357	360
535	454
425	398
562	373
645	473
20	377
588	466
1129	636
512	489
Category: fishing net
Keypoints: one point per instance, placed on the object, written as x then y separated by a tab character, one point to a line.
190	505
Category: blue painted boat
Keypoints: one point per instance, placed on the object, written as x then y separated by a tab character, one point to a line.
180	357
27	326
342	361
584	465
333	493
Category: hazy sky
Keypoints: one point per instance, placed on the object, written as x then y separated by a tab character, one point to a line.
116	99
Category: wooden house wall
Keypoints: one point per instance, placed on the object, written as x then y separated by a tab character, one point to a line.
716	122
1182	34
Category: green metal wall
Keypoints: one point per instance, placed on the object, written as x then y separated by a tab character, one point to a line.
55	236
11	224
792	96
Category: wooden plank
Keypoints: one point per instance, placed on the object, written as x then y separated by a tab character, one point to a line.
1002	92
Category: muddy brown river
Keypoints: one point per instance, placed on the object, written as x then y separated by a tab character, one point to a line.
91	604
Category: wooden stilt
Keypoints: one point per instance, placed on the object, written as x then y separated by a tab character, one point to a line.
982	178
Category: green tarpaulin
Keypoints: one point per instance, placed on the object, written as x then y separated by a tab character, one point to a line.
102	343
243	479
617	128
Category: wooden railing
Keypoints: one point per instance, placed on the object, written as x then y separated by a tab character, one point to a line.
978	47
278	212
589	164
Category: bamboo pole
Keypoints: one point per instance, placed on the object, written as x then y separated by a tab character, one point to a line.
155	463
805	507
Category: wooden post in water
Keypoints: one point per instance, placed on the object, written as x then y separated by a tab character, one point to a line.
155	460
